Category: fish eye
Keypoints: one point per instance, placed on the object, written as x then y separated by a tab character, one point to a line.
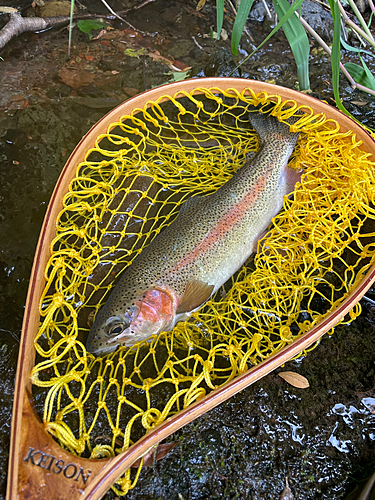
115	325
116	330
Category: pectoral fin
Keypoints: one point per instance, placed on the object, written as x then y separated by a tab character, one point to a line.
261	235
292	177
196	293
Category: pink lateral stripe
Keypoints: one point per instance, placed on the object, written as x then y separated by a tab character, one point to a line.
227	222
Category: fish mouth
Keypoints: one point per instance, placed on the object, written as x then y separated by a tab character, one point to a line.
101	350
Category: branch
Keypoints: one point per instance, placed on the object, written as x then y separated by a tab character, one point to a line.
116	15
18	24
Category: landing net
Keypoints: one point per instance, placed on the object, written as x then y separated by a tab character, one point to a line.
130	186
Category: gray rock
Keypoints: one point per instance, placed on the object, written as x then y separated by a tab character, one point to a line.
258	12
319	19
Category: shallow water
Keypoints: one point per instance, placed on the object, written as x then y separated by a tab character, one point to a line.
321	438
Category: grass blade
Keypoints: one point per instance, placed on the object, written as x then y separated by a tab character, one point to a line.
296	5
354	49
219	16
358	73
335	54
239	23
298	41
70	25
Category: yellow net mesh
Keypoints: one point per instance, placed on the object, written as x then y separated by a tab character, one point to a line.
131	185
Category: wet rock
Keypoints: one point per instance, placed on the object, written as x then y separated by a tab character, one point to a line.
271	71
58	91
319	18
107	80
362	5
258	12
50	9
220	63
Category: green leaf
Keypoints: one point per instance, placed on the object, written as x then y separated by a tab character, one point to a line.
336	54
296	5
354	49
359	74
86	25
369	76
298	41
219	16
239	23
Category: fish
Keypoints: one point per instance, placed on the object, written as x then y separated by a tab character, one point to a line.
211	238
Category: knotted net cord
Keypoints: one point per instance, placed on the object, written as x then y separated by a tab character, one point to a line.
132	184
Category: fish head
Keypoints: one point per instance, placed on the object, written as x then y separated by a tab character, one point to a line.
152	313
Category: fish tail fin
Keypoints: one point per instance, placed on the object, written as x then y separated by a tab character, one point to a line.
267	126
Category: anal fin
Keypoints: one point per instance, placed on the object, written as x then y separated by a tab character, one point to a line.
196	293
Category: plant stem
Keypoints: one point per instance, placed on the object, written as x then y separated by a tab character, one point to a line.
70	26
372	7
360	18
116	15
354	26
322	43
267	9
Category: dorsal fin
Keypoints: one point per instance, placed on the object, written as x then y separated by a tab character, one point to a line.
196	293
191	202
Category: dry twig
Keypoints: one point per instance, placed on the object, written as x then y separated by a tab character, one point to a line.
18	24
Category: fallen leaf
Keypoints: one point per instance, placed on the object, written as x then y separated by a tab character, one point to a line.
75	78
89	58
286	494
8	10
100	35
136	53
151	456
194	12
175	66
224	34
359	103
156	56
295	379
200	5
181	66
177	70
177	76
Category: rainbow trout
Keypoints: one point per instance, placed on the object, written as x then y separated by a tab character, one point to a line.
208	242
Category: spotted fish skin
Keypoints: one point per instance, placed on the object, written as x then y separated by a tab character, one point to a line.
207	243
